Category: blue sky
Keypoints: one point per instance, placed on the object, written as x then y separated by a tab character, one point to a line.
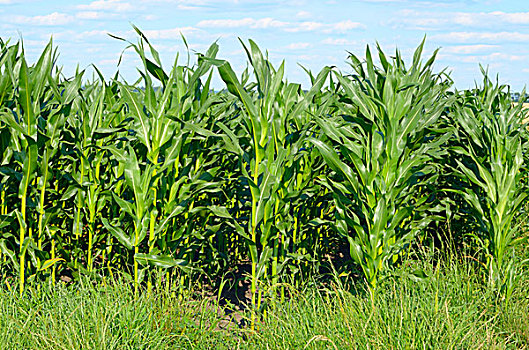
312	33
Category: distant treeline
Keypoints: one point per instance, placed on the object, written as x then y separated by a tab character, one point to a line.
516	96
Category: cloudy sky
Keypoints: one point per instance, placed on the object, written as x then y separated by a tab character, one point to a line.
312	33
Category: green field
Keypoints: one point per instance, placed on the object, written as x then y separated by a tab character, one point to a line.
377	208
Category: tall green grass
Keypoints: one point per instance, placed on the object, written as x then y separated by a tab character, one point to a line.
449	309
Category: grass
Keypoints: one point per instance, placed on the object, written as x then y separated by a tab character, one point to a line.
450	308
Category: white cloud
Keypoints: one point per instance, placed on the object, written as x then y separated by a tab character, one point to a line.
94	15
245	22
53	19
108	5
485	18
95	32
428	19
39	43
88	15
346	25
89	35
172	33
303	14
108	62
501	56
462	37
305	26
309	58
493	57
340	27
194	2
188	4
298	46
7	2
93	49
468	49
338	41
188	7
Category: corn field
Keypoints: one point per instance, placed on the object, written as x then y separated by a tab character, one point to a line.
166	176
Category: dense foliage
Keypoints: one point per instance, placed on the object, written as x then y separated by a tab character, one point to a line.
166	174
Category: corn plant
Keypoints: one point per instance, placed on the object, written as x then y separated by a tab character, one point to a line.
31	83
266	163
10	177
164	175
380	148
490	143
167	177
